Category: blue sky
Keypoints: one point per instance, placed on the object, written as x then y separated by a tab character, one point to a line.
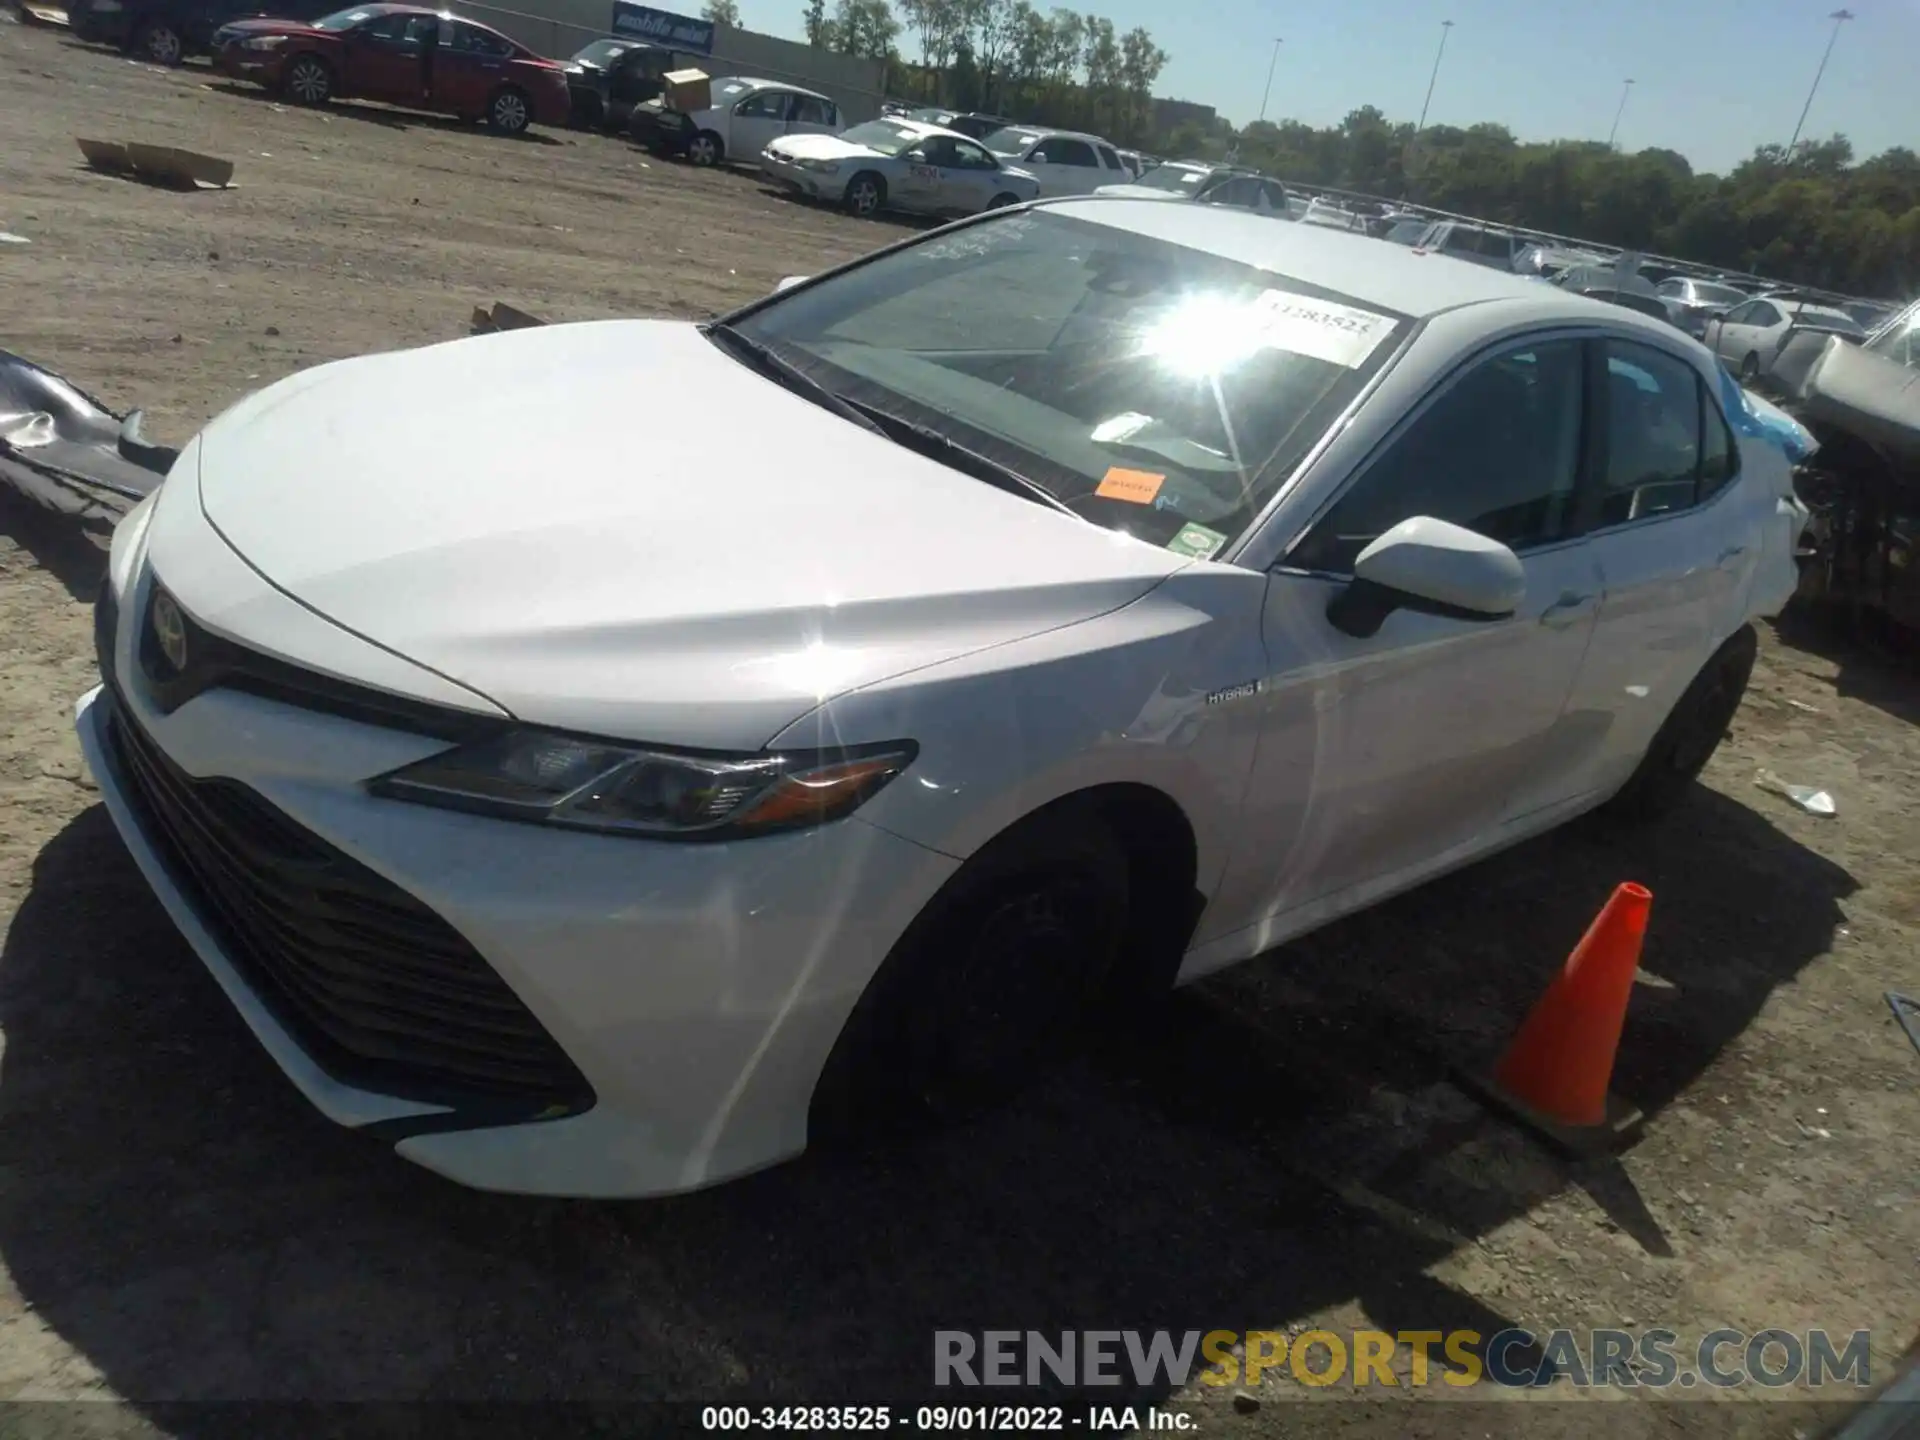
1714	77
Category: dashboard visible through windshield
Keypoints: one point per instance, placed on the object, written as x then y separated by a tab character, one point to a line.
1148	387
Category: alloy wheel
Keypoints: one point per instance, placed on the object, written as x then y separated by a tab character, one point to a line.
308	81
509	113
701	150
865	196
163	45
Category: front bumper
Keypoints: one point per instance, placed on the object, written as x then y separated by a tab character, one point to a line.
698	989
813	184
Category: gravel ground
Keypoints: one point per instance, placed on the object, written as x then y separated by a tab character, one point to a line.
1281	1152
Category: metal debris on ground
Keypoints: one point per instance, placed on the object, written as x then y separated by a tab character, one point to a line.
7	237
1906	1010
1814	802
64	450
502	317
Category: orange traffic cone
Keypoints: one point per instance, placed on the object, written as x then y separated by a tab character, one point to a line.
1557	1069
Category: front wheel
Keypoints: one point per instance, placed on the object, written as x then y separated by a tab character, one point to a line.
989	982
1692	732
509	113
866	193
1750	368
161	43
705	149
1002	201
309	82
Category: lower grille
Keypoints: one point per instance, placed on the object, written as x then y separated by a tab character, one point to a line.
382	992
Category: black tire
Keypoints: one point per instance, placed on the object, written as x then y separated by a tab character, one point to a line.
1692	732
509	112
589	113
706	150
308	81
865	195
990	982
1002	201
1750	368
159	43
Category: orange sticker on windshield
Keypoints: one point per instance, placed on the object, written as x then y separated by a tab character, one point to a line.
1138	487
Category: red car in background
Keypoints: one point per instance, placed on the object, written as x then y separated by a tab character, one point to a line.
402	55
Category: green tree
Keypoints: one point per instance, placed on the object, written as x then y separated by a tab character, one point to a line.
722	12
819	28
865	28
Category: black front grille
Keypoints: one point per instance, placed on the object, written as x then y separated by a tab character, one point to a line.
382	992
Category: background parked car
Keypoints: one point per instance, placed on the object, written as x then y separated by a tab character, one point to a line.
1333	215
894	164
1065	162
974	124
1618	286
168	31
1480	244
1208	184
1694	302
745	117
607	78
1749	337
402	55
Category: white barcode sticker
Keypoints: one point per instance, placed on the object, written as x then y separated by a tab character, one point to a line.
1323	329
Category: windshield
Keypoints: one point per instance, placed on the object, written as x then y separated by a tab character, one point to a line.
725	90
1181	179
1407	232
1153	389
1831	321
342	19
1707	294
1010	141
1899	338
599	52
884	136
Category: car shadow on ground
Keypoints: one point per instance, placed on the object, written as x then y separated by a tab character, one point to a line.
1279	1139
375	114
74	554
1877	661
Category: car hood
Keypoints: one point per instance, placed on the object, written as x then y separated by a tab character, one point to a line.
618	529
1141	192
819	147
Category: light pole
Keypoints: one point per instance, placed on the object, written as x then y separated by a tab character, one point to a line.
1264	94
1839	18
1445	26
1625	91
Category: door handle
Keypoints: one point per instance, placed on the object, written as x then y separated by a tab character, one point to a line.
1566	610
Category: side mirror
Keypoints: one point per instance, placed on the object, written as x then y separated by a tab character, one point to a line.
789	281
1431	566
915	156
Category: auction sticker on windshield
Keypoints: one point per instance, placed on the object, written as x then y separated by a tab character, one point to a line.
1323	329
1197	541
1138	487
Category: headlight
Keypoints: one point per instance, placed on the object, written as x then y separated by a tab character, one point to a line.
824	167
264	42
600	785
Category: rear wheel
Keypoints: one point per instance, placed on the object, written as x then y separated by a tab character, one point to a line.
160	42
1684	744
509	113
309	81
989	982
866	193
1750	368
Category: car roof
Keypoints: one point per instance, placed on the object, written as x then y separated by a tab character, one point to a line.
754	83
1344	261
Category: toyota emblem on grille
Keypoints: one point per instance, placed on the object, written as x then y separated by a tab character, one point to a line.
170	629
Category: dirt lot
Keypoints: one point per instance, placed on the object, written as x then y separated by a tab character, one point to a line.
1282	1152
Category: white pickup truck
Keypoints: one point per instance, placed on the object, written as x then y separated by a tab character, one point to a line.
1065	162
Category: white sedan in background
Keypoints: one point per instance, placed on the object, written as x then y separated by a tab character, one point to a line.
1106	591
1065	162
898	164
1749	337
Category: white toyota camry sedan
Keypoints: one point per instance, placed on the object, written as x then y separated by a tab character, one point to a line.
1047	609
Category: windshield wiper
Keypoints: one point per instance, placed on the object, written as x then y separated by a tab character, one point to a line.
935	445
771	363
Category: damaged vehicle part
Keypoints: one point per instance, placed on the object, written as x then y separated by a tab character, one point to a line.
64	450
1862	404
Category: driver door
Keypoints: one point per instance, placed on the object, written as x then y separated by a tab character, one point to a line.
384	59
923	180
1384	757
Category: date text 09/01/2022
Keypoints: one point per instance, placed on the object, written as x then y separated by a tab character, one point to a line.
988	1419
